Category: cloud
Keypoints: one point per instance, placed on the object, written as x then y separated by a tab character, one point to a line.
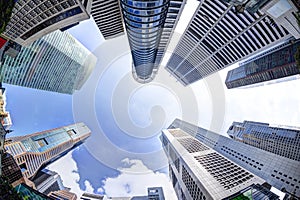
67	168
131	182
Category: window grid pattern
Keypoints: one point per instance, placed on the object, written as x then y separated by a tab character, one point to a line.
191	185
56	62
218	18
243	158
107	16
192	145
286	179
227	173
28	15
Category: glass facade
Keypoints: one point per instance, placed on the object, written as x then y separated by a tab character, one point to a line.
33	151
144	22
273	64
281	141
57	62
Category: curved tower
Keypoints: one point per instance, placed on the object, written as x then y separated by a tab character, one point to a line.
144	22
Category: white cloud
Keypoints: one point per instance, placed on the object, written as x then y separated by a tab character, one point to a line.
131	182
67	168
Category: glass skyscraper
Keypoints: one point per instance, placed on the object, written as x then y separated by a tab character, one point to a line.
149	26
57	62
217	37
283	141
31	152
278	171
273	64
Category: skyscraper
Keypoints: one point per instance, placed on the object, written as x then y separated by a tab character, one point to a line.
280	172
149	28
199	172
57	62
63	194
32	20
284	13
278	62
36	150
47	181
107	16
283	141
217	37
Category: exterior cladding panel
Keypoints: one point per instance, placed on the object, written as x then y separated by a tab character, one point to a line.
217	37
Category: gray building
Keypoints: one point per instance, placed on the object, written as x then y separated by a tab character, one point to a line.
283	12
275	63
149	27
283	141
198	172
32	20
47	181
56	62
107	16
278	171
217	37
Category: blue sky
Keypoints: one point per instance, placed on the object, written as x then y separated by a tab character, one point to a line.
123	155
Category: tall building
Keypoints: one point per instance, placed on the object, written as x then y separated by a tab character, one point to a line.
278	171
284	12
32	20
107	16
34	151
276	63
149	27
217	37
57	62
199	172
63	195
47	181
283	141
11	170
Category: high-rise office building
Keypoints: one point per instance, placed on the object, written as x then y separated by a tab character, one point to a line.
33	151
32	20
149	27
107	16
276	63
199	172
217	37
278	171
47	181
156	193
284	13
63	195
283	141
11	170
57	62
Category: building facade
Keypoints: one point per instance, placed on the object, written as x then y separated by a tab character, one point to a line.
63	194
278	171
276	63
34	151
199	172
47	181
107	15
32	20
217	37
149	27
57	62
284	12
283	141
